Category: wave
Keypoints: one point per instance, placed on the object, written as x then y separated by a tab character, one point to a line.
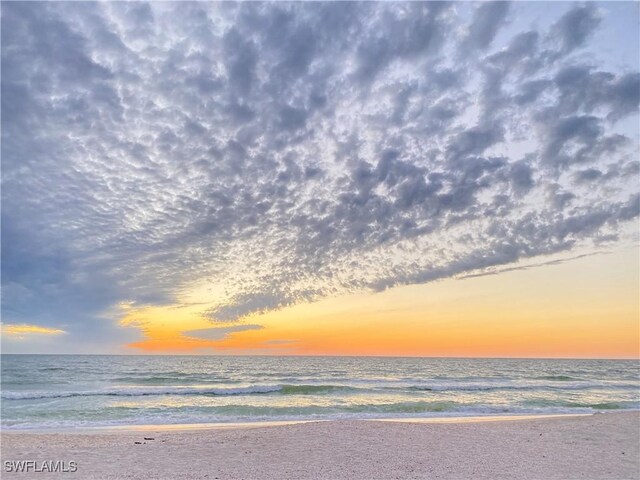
309	389
149	391
526	387
313	389
246	413
589	405
140	392
557	378
404	407
160	380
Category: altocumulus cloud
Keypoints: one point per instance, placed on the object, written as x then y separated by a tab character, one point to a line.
288	152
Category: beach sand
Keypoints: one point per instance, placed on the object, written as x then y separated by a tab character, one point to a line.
569	447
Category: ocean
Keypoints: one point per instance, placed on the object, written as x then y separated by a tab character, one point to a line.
63	391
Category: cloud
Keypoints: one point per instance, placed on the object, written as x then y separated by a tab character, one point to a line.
487	19
23	331
588	175
286	152
559	261
582	88
280	342
218	333
575	26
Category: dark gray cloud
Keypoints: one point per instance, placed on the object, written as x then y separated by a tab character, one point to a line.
403	32
582	88
285	152
487	20
574	27
588	175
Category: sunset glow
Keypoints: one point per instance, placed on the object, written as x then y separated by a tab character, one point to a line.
569	310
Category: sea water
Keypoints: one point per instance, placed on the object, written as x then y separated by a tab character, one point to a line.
61	391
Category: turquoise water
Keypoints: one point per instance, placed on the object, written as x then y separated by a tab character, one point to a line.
59	391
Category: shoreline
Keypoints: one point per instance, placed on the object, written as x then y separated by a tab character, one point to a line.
599	446
276	423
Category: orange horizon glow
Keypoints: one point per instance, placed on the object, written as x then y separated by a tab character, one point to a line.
570	310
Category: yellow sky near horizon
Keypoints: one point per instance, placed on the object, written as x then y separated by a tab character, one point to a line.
585	307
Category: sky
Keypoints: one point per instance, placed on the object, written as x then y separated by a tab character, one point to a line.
437	179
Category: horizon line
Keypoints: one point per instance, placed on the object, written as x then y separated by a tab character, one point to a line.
324	356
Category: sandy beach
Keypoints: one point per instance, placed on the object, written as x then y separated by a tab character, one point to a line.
595	447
